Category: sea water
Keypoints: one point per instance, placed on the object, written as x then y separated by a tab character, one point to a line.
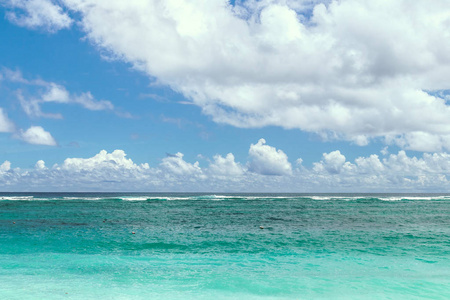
228	246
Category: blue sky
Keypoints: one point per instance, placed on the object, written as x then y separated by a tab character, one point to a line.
348	83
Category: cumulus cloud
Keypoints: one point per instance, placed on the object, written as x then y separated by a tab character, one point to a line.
267	160
175	164
225	166
6	166
45	92
352	70
370	165
37	135
333	173
40	165
332	162
335	163
7	175
37	14
5	124
103	160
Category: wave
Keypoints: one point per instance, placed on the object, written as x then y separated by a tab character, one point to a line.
383	198
228	197
420	198
20	198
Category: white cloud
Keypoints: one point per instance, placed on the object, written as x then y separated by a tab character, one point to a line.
32	94
12	75
225	166
32	107
396	173
45	92
87	101
333	162
8	176
38	14
38	136
343	69
5	124
370	165
40	165
55	93
6	166
421	141
103	160
352	70
115	172
267	160
33	135
175	164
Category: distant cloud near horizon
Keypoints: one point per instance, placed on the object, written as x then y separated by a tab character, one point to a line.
267	160
115	172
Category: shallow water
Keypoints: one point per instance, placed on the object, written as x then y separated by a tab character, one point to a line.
192	246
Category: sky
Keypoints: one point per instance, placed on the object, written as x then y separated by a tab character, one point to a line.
220	96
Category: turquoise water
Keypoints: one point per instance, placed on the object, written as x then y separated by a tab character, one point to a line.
82	246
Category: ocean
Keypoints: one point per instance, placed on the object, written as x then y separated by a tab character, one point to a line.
224	246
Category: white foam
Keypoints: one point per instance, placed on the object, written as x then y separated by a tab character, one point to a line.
215	197
327	198
415	198
79	198
134	198
20	198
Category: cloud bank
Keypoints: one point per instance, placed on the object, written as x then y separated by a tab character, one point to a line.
115	172
350	70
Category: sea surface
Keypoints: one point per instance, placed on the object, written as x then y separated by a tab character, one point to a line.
205	246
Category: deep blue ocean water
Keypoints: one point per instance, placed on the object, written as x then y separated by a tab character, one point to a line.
200	246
